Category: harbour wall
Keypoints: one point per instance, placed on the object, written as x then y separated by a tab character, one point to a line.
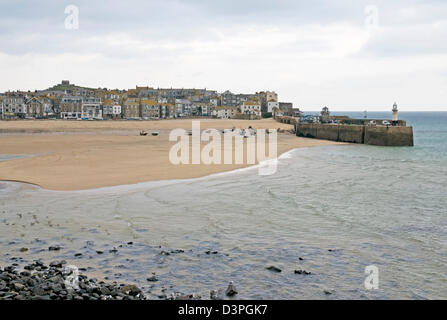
372	135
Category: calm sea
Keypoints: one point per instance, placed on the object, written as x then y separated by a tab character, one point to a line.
331	211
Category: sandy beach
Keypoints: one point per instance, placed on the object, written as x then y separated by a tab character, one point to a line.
77	155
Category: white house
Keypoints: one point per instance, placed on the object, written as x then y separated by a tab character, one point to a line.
162	100
271	105
111	109
225	112
1	107
214	101
251	107
116	110
71	107
91	108
183	107
207	109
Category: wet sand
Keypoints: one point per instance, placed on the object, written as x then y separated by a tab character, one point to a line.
77	155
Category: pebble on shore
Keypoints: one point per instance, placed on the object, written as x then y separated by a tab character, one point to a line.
41	282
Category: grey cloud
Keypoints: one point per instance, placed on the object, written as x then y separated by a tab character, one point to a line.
38	26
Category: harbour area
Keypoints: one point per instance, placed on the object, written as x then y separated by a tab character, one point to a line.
379	132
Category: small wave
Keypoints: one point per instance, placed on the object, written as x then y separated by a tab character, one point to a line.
287	155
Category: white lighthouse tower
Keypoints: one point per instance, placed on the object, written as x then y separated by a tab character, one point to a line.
395	113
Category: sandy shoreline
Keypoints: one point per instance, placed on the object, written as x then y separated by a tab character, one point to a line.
79	155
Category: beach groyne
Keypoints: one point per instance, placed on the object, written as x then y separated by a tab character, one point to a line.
372	135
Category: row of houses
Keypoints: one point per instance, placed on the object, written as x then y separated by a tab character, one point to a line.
67	101
14	105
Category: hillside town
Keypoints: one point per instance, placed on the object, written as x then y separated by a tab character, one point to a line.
71	102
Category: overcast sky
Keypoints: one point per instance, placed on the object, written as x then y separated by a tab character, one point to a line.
346	54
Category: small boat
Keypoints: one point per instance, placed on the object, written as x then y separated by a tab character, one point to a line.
189	132
143	133
155	133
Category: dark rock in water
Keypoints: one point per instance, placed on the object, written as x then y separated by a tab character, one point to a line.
301	259
164	253
177	251
25	273
38	263
231	290
152	279
9	268
302	272
23	249
54	296
130	243
274	269
78	254
327	292
216	294
58	264
99	252
184	297
130	289
54	248
113	250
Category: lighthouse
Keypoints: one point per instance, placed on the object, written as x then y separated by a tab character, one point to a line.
395	114
325	115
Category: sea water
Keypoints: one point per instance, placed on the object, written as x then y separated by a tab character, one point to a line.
332	211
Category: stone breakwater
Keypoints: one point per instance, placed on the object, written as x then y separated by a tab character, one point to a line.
372	135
